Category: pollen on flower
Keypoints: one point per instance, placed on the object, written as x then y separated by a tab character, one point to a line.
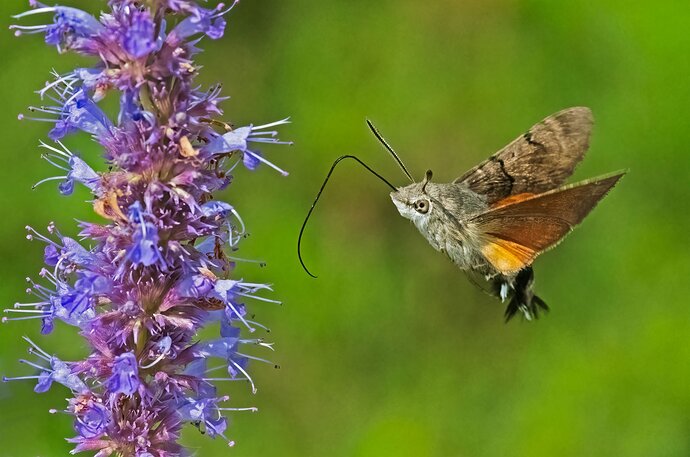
140	284
186	148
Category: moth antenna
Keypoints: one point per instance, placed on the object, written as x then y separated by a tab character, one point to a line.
427	177
390	149
318	195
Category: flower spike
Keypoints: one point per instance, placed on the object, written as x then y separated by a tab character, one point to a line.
158	266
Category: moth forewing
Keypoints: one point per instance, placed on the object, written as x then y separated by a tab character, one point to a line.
537	161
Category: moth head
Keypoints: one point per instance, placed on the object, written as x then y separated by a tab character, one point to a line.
412	201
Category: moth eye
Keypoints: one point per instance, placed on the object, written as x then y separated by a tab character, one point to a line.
421	206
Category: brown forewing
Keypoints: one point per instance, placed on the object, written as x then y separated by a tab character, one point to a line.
537	161
517	232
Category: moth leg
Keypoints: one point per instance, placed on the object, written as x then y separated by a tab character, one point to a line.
522	298
503	293
502	286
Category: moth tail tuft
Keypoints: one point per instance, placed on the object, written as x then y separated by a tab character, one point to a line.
522	299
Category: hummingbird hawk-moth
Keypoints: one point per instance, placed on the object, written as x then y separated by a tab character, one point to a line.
495	219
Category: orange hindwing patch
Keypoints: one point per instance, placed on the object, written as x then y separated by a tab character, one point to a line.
506	256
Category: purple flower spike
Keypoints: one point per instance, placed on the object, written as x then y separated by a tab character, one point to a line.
157	266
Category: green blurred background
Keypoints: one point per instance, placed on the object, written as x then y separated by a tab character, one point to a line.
392	351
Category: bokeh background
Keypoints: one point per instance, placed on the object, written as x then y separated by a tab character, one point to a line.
392	351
